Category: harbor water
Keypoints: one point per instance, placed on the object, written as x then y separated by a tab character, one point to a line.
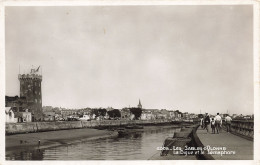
135	146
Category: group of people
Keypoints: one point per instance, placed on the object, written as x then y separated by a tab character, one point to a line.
215	123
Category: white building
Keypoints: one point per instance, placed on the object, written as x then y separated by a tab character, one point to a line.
9	115
85	117
147	116
26	116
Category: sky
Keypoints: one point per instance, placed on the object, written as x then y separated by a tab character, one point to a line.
192	58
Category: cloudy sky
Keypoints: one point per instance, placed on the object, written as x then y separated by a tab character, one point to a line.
190	58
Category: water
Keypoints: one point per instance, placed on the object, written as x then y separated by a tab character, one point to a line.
137	146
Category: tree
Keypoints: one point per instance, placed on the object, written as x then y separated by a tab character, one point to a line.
114	113
137	112
99	112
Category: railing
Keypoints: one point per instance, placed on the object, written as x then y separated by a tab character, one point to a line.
244	128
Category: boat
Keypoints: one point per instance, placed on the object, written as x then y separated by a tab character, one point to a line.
129	127
134	127
138	127
127	131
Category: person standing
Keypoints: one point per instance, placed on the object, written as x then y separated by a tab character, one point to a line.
218	122
228	123
207	122
212	123
201	123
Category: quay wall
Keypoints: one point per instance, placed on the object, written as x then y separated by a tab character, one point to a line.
16	128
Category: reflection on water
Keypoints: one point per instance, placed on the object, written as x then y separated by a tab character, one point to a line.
136	146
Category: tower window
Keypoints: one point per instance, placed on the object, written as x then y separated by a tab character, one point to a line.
36	100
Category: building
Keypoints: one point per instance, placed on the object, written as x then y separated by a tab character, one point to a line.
18	104
172	114
17	117
26	116
186	115
9	115
178	114
125	113
154	112
65	113
49	116
165	114
85	117
30	89
147	115
193	116
139	104
109	108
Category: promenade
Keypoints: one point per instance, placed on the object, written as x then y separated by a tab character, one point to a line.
243	148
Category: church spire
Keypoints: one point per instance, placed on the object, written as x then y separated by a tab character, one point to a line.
139	104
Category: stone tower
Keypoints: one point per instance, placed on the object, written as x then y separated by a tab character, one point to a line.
30	88
139	104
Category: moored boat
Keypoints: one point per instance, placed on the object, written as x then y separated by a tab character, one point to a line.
134	127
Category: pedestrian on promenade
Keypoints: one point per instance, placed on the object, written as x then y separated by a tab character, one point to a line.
39	143
218	122
201	123
212	123
228	123
207	122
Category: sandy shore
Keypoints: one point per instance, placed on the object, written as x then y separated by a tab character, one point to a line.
22	142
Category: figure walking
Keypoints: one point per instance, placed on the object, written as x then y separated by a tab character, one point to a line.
201	123
218	122
228	123
212	123
39	143
207	122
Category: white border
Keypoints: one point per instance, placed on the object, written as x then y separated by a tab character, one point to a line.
256	82
124	3
127	2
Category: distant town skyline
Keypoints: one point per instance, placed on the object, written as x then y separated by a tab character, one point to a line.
191	58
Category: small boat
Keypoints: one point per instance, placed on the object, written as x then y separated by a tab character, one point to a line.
176	122
124	132
129	127
134	127
138	127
